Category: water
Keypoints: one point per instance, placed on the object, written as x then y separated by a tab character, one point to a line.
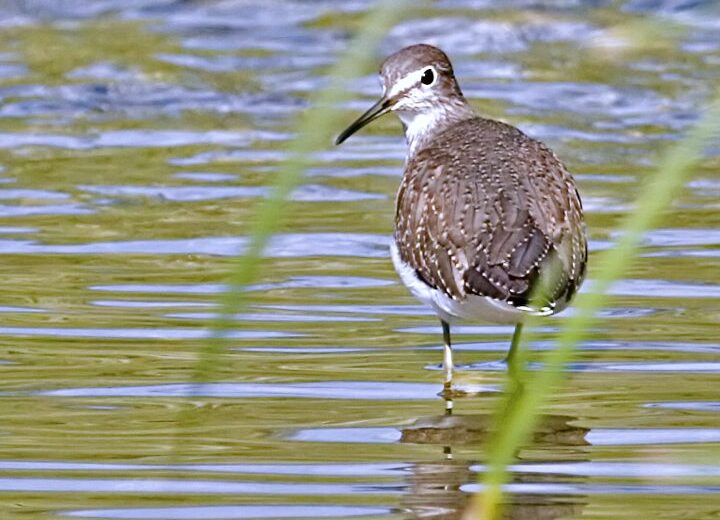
136	139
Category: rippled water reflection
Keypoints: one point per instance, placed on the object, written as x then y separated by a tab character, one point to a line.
136	139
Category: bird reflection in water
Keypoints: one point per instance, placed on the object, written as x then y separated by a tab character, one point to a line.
435	488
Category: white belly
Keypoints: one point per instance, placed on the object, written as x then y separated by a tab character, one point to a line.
473	307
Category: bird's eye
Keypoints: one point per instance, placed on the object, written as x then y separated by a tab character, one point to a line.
428	76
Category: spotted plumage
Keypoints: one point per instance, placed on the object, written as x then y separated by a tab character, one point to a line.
483	208
484	212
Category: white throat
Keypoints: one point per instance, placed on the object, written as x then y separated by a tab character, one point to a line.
419	126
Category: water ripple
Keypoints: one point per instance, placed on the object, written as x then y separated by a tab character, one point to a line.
231	512
281	246
294	282
596	436
472	36
156	333
46	209
697	406
131	139
306	193
151	486
371	390
361	470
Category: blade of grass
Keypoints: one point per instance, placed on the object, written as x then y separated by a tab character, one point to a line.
314	131
519	410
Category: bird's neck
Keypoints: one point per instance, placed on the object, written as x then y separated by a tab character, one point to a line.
420	127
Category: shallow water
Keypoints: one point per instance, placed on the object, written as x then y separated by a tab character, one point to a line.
136	139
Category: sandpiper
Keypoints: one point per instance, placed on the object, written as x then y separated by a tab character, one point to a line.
483	213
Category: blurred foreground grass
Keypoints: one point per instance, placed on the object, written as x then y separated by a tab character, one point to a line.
519	410
313	132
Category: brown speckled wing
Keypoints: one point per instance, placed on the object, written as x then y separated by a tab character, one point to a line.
484	210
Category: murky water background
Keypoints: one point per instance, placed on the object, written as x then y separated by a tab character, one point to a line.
137	137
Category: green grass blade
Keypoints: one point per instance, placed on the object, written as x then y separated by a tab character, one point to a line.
314	131
519	409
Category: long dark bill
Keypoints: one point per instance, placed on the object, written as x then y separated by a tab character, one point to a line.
375	111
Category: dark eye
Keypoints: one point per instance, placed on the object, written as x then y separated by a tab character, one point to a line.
428	76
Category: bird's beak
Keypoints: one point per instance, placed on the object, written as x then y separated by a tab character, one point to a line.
375	111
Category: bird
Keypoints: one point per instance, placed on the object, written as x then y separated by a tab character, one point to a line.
489	223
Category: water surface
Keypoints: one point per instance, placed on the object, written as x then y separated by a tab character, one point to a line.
136	139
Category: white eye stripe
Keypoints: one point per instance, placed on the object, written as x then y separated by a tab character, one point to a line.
404	83
410	80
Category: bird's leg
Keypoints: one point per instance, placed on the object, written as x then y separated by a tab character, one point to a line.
447	358
512	355
447	395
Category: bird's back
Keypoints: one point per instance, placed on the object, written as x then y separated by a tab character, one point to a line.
483	209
